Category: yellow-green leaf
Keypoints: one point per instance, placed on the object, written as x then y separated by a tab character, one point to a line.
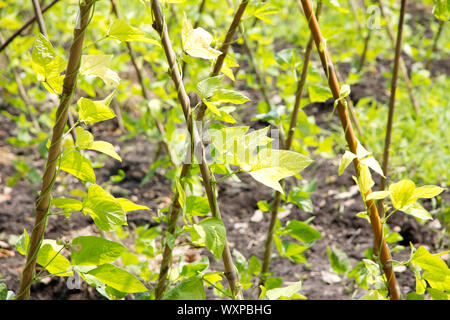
128	205
377	195
416	210
346	159
402	193
122	31
96	65
76	164
106	148
93	111
196	42
427	191
273	165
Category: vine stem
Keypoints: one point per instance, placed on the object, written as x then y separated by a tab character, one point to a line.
287	146
385	256
39	17
435	42
160	26
26	25
403	68
54	153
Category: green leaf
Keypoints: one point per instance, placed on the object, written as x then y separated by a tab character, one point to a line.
94	111
211	233
364	181
376	195
96	65
437	273
416	210
127	205
76	164
402	193
427	192
53	261
366	158
95	251
346	159
84	138
118	278
319	93
273	165
196	42
193	269
230	96
197	206
207	87
339	261
106	148
67	203
286	292
43	52
122	31
302	231
104	209
188	289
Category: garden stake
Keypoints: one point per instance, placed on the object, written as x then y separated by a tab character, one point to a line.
403	68
54	153
175	209
26	25
385	256
435	42
287	146
224	49
398	52
208	180
39	17
145	95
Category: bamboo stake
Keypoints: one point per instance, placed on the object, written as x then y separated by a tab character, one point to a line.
43	30
39	17
26	25
224	48
208	180
48	180
403	68
287	146
385	256
435	42
387	142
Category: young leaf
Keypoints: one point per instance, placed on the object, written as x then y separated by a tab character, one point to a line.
67	203
197	206
378	195
127	205
287	292
93	111
273	165
50	258
402	193
122	31
207	87
302	231
427	192
96	65
211	233
118	278
106	148
230	96
84	138
76	164
104	209
188	289
318	93
339	261
347	158
196	42
416	210
95	251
